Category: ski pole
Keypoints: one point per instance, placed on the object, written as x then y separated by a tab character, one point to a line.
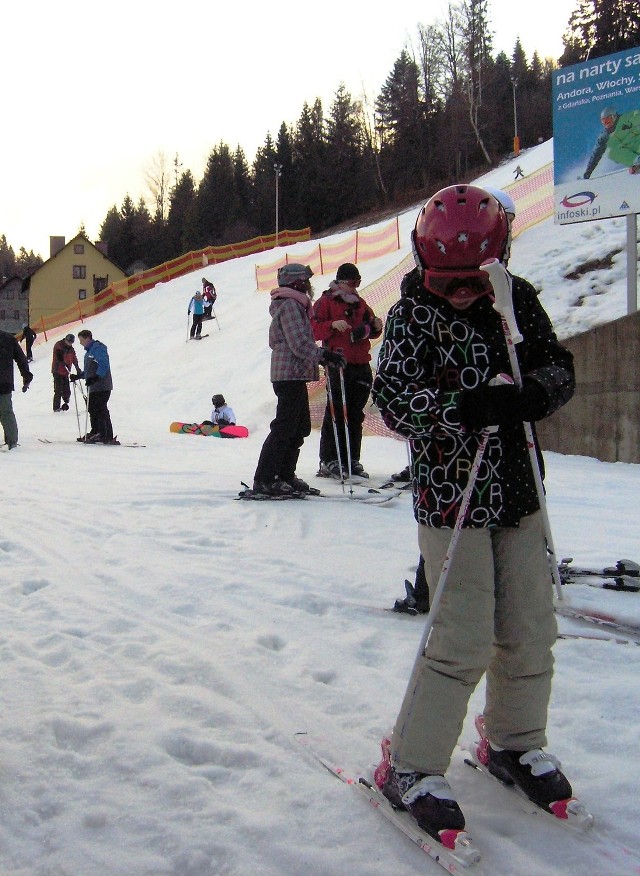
455	536
75	399
501	282
86	416
465	501
188	321
332	411
215	317
346	430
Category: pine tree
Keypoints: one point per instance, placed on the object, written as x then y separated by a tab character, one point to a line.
182	229
401	116
310	168
349	183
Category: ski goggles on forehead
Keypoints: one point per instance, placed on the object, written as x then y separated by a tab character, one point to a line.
446	284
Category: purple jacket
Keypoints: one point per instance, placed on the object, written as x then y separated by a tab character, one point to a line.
295	355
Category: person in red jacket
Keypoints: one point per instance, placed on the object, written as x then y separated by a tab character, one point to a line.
64	359
345	323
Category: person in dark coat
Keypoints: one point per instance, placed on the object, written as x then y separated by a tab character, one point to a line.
63	360
97	377
444	345
10	353
209	296
28	336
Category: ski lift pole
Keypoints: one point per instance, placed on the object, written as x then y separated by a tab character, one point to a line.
501	282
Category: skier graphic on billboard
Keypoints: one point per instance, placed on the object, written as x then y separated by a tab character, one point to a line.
596	138
620	139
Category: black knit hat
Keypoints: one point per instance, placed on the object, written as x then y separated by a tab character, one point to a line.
347	271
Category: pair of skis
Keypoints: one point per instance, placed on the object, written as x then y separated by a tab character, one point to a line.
372	497
624	575
464	856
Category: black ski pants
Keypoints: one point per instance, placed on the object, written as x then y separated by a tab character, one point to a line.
292	424
357	388
196	325
61	390
99	415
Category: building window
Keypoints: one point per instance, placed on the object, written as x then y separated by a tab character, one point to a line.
10	294
16	314
79	272
78	248
82	294
3	314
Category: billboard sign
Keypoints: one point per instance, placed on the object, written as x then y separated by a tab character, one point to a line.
596	138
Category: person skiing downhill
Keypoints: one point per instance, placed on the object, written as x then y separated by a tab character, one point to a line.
620	139
343	321
443	345
294	362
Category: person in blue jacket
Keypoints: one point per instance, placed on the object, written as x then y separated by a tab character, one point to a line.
196	307
97	377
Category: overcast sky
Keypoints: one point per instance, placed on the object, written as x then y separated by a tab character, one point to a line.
91	98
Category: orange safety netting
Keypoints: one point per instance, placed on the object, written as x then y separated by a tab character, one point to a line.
533	196
327	257
185	264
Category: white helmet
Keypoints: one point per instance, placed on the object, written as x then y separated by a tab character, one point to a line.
503	198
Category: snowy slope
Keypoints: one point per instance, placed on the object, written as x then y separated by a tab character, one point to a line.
162	643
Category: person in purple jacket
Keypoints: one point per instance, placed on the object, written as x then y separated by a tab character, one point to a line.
295	358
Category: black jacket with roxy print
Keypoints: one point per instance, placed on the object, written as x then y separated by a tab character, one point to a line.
430	352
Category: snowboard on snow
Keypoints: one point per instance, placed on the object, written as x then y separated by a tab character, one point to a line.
215	431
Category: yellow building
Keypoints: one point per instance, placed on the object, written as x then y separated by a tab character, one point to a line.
71	277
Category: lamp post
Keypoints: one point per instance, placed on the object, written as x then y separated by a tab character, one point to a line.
516	139
278	169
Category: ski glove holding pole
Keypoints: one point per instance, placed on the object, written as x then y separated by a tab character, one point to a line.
332	359
502	405
78	376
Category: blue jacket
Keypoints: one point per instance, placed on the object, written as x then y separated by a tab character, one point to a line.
96	364
196	306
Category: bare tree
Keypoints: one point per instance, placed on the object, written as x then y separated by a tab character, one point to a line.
477	45
372	135
158	180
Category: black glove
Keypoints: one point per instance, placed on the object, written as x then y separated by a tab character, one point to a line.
502	405
78	376
360	333
331	359
91	380
26	381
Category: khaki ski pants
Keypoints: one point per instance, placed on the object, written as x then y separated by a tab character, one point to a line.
496	616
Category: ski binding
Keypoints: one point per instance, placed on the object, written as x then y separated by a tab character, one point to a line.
569	813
